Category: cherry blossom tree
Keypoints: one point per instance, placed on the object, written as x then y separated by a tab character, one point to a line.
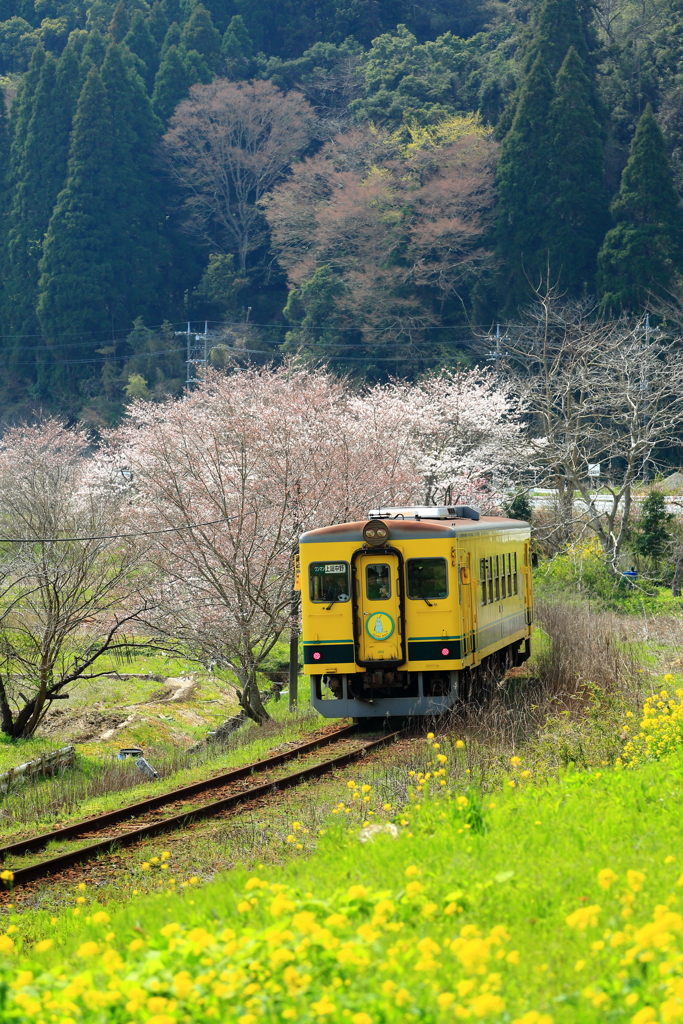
598	391
244	464
236	471
72	583
463	434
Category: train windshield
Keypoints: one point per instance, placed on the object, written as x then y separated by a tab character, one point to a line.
328	581
427	578
378	581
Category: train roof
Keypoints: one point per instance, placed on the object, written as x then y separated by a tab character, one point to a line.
413	529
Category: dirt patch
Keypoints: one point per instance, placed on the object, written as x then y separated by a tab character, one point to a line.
176	688
80	726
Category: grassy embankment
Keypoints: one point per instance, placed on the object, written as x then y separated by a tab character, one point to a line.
166	729
541	902
566	709
551	899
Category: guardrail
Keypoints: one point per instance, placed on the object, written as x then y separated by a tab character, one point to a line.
46	764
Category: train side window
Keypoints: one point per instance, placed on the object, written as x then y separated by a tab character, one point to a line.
378	581
489	573
482	579
503	577
514	572
427	578
328	581
510	575
496	573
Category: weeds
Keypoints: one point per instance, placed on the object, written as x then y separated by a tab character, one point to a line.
69	790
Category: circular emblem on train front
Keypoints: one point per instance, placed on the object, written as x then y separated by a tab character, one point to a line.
379	625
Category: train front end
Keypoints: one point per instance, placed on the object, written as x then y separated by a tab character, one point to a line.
390	608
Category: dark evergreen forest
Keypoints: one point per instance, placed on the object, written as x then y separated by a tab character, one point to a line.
365	182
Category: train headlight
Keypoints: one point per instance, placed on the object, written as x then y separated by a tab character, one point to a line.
376	533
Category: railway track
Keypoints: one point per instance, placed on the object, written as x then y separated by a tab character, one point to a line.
125	817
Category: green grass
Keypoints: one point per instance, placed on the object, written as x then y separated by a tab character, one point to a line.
161	729
250	743
469	914
156	727
583	573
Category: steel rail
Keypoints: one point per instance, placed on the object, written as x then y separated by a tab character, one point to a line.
42	869
101	821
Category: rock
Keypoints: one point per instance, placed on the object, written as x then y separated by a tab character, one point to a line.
368	833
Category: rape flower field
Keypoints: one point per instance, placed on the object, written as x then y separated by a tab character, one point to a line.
539	905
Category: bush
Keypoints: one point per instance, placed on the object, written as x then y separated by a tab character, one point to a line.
585	646
581	570
661	728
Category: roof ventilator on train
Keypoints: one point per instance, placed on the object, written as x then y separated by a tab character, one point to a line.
426	512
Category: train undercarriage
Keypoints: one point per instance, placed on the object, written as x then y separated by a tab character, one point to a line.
388	692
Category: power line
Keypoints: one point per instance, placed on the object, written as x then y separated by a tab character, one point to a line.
236	351
105	359
120	536
125	333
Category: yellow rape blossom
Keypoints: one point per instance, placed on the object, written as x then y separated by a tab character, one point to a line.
487	1004
584	917
534	1017
644	1016
660	729
323	1007
634	880
88	949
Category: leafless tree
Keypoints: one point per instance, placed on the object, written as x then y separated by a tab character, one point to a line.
71	586
598	391
229	144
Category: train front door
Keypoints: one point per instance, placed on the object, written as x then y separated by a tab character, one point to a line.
378	607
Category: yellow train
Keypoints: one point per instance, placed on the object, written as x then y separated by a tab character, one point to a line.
404	614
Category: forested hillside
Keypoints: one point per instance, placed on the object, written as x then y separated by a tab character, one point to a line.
361	181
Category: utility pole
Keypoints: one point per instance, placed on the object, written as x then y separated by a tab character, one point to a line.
647	331
197	352
294	612
494	355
